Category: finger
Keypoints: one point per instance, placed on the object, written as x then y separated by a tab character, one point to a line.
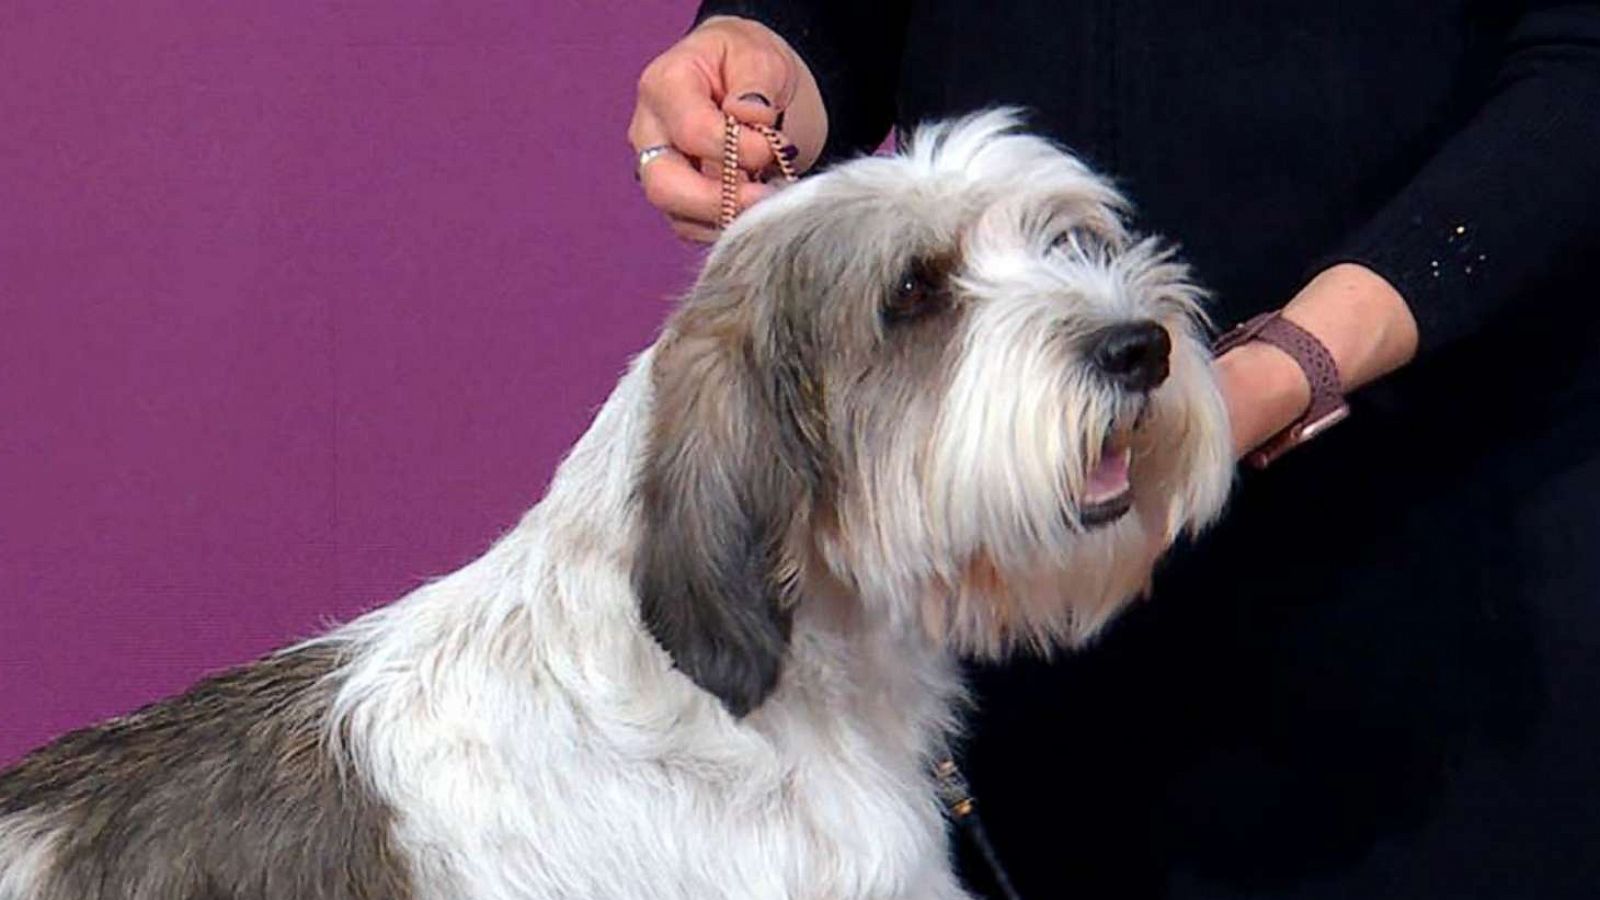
760	86
692	230
645	130
679	99
752	108
752	192
673	186
758	83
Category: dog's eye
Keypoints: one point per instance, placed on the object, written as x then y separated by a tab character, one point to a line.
917	292
1080	242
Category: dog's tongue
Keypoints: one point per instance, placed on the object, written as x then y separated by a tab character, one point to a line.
1110	477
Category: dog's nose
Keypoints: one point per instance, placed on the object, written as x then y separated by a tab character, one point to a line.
1132	354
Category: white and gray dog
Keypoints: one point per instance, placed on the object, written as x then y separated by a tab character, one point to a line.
914	407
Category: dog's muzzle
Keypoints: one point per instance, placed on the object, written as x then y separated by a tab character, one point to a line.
1136	358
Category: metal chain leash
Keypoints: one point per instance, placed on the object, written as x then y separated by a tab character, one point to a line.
733	175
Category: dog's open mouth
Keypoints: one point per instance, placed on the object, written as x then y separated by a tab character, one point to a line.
1107	493
1108	489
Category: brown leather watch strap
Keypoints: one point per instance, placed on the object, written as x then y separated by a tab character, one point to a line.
1327	407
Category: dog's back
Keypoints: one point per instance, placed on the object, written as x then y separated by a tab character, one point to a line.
228	791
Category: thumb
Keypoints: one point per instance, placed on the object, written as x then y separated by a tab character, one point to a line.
759	85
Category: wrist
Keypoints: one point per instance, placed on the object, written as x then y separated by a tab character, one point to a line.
1353	327
1265	390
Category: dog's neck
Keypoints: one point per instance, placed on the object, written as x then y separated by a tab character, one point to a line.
849	666
846	653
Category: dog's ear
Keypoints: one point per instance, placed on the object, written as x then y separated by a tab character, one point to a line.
725	491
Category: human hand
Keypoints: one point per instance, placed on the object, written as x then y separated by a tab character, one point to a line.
726	66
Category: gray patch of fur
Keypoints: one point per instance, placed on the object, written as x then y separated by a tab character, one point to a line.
748	429
228	792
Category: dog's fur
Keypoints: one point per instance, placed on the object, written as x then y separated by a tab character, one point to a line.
718	658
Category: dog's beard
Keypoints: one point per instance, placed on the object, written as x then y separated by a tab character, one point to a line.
1038	507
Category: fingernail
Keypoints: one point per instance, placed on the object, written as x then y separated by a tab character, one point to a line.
789	152
753	97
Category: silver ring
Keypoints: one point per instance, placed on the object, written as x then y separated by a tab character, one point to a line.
649	155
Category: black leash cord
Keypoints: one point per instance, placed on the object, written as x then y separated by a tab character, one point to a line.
956	795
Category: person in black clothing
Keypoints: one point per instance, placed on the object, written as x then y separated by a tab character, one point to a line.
1380	675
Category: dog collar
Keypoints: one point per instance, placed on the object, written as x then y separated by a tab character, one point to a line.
1328	406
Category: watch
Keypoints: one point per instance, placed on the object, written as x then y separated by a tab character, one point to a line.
1328	406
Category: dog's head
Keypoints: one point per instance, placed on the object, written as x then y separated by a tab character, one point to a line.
948	381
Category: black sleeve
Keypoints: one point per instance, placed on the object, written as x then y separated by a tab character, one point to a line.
853	49
1510	199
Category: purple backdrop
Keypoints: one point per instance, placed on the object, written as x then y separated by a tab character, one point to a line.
300	303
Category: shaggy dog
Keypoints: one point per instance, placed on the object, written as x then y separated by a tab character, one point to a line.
914	407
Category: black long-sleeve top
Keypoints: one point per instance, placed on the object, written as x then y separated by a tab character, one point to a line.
1452	147
1379	676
